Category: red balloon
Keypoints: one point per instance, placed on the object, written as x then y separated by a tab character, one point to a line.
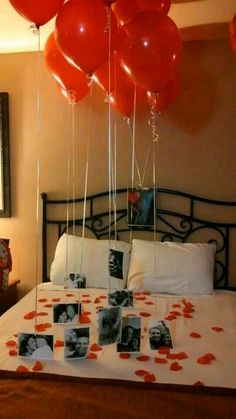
117	74
149	49
123	98
127	9
73	96
83	35
166	96
71	79
109	1
232	33
39	12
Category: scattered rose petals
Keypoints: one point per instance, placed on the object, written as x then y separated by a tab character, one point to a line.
175	366
139	298
10	343
91	355
37	366
103	296
195	335
161	360
95	347
188	316
21	368
42	300
86	301
48	305
171	317
141	373
85	295
149	303
56	300
12	352
149	378
31	315
42	313
217	329
70	295
144	314
143	358
59	343
206	359
41	327
175	313
124	355
198	384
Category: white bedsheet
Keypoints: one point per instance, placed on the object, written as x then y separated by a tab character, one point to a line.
209	329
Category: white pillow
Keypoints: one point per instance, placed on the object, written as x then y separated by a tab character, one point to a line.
168	267
95	255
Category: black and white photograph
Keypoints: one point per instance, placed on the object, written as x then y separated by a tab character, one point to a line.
109	325
159	334
35	346
140	206
130	335
123	298
116	263
76	342
66	313
75	281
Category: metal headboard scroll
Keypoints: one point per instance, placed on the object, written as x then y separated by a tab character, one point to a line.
183	219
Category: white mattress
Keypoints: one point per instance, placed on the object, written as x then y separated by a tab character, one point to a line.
181	367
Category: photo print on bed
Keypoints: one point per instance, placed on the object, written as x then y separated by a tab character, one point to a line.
123	298
140	206
131	335
76	342
109	325
35	346
66	313
115	263
75	281
159	334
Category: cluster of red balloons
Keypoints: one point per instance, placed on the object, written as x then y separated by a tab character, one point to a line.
130	47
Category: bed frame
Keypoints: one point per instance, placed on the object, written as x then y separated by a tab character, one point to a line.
180	217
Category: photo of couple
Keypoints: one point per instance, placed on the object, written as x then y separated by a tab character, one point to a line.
35	346
66	313
76	343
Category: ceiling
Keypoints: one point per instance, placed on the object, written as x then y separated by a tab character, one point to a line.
197	19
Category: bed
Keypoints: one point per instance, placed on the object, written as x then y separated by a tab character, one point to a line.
189	251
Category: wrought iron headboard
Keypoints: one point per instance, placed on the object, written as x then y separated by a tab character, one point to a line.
180	217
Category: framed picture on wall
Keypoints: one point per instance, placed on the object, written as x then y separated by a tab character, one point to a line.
141	206
5	192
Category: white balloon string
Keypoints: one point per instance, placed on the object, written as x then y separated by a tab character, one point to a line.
86	177
37	33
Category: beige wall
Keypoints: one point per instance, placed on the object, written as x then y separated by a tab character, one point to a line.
195	153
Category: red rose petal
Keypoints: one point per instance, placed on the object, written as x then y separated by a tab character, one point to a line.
124	355
103	296
195	335
56	300
31	315
95	347
37	366
12	352
130	315
143	358
85	295
149	303
42	300
97	300
175	313
86	313
21	368
171	317
41	327
149	378
84	319
59	343
91	355
140	298
176	305
86	301
188	316
206	359
163	350
182	355
48	305
10	343
144	314
175	366
198	384
146	293
161	360
141	373
42	313
217	329
70	295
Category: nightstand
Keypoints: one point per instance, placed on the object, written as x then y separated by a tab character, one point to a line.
8	297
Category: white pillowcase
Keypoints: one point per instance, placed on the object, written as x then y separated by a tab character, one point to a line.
95	256
170	267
